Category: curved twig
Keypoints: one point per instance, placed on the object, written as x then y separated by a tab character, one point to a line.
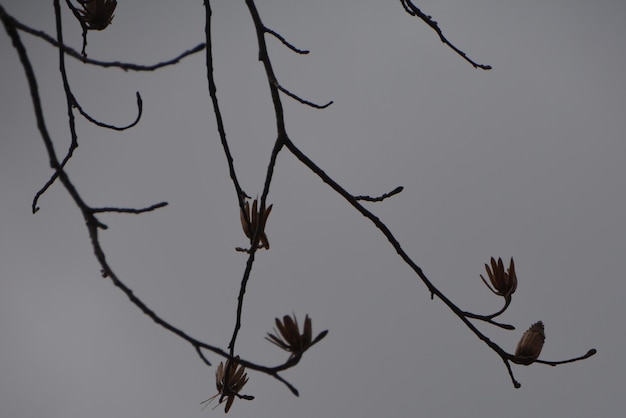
488	318
93	224
284	41
113	127
301	100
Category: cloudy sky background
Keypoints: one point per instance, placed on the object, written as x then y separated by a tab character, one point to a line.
526	160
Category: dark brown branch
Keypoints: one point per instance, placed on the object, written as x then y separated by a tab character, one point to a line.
82	25
284	41
93	225
126	66
489	318
136	67
202	356
506	357
240	193
380	198
70	101
264	58
589	353
113	127
516	384
283	140
71	104
9	26
413	10
301	100
216	106
129	210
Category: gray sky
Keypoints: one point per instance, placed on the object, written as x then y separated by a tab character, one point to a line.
526	160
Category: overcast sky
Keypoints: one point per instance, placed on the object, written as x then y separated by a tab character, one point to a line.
527	160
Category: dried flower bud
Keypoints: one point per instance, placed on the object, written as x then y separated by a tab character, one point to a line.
530	345
250	220
96	14
292	341
229	386
504	283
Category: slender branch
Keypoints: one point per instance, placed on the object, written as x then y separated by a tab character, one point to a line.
260	29
507	363
13	27
202	356
93	225
70	101
489	318
130	210
126	66
113	127
283	140
216	107
36	100
83	25
240	193
413	10
284	41
382	197
589	353
301	100
506	357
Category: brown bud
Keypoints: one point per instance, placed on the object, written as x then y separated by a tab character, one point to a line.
504	282
288	336
250	220
228	386
96	14
530	345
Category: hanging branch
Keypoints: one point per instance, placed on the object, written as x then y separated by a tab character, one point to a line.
96	15
301	100
126	66
284	41
72	103
505	287
108	126
93	224
413	10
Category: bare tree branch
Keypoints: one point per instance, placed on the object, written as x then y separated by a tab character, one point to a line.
254	229
301	100
413	10
284	41
382	197
113	127
126	66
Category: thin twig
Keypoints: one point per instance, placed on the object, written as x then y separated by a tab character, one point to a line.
216	107
130	210
284	41
589	353
113	127
506	357
126	66
301	100
380	198
413	10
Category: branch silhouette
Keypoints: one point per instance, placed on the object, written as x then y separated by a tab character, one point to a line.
289	338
